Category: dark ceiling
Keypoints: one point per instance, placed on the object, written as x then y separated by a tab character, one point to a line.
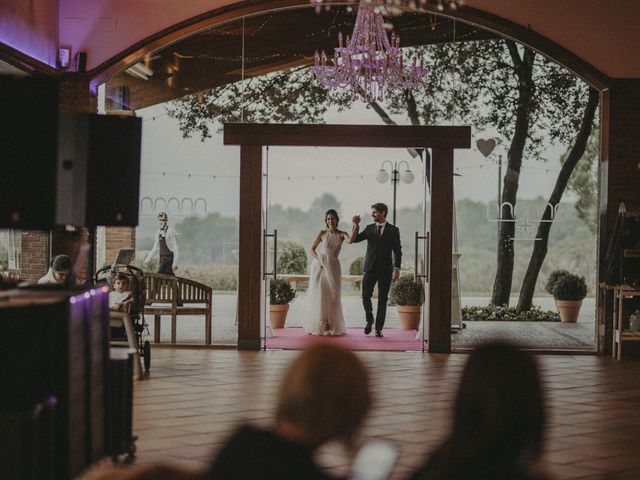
273	41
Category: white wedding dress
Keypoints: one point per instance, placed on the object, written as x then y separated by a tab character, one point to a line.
324	304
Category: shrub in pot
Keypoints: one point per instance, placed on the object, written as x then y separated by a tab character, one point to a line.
553	278
408	295
281	293
568	292
356	269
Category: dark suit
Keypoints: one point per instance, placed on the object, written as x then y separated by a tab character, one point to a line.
378	267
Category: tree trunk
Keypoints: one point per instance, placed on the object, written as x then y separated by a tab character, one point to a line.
504	274
540	246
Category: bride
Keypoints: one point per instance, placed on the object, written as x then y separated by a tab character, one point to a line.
324	304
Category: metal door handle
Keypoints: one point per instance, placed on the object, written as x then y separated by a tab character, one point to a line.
426	257
266	274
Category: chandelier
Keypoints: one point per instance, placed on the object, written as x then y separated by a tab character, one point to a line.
368	63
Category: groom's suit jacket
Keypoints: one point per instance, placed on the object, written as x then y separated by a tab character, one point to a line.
380	249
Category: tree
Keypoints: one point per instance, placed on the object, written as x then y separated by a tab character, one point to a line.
285	96
496	85
584	183
540	247
499	85
293	259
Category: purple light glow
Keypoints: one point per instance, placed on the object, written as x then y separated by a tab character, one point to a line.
73	300
31	29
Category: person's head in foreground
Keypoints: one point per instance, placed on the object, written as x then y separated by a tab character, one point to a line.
325	395
498	420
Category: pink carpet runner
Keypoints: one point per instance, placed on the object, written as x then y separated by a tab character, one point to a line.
395	339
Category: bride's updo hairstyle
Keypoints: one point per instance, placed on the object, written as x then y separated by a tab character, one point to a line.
325	394
331	211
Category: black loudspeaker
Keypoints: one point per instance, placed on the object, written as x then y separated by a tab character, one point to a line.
98	170
28	144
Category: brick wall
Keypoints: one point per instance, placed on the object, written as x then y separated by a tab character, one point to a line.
75	95
117	238
34	261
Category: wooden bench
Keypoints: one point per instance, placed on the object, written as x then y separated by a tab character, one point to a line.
177	296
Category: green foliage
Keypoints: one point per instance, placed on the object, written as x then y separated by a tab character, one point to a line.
281	292
218	277
201	239
278	97
507	314
407	291
569	287
293	259
139	260
553	279
584	181
356	266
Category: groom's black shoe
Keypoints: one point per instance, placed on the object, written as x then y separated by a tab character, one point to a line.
367	328
379	333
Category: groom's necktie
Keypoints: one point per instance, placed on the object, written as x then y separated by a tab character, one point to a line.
379	231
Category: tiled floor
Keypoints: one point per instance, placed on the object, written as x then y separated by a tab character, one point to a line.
194	398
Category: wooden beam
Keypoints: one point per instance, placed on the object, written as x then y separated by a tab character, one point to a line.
249	262
386	136
441	239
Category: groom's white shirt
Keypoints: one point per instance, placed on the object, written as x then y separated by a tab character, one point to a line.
383	225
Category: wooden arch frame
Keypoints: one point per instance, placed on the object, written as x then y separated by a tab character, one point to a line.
252	137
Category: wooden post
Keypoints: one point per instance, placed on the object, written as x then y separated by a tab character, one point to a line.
440	251
249	263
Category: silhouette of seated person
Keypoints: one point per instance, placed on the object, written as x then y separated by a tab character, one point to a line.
121	297
59	272
324	396
498	423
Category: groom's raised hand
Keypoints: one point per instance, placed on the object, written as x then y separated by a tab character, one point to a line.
356	219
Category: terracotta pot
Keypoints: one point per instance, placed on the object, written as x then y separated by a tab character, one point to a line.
409	316
568	310
278	315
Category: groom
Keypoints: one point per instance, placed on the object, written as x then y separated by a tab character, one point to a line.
383	239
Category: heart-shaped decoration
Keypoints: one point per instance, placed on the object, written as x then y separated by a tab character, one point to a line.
486	146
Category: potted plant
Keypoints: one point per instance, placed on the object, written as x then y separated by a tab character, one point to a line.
281	293
408	295
553	278
568	292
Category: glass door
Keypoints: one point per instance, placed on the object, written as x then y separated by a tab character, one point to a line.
270	313
421	243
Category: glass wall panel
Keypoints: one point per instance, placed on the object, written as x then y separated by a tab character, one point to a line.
256	69
186	172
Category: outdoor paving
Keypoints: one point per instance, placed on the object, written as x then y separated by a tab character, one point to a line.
536	335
